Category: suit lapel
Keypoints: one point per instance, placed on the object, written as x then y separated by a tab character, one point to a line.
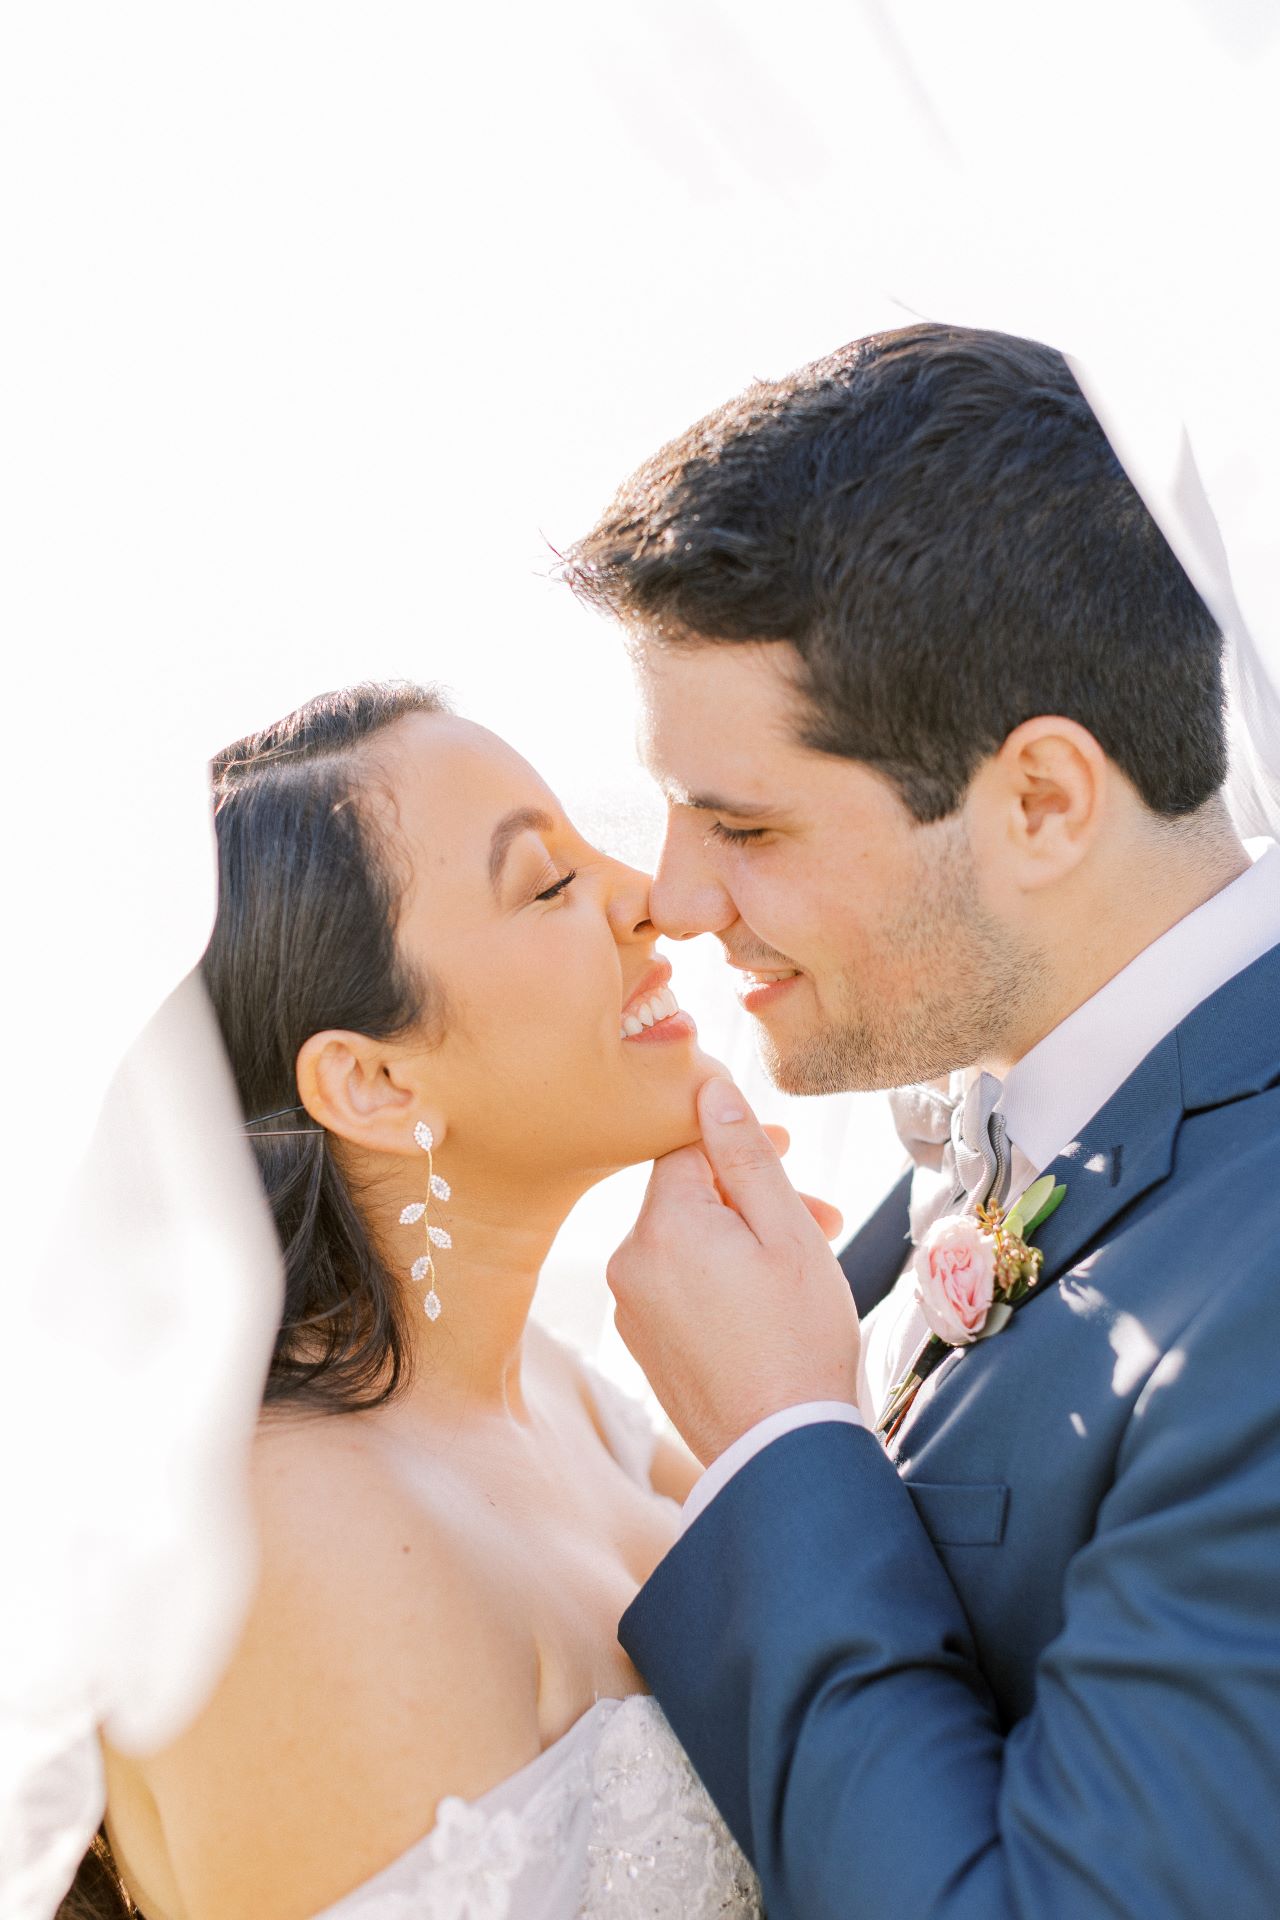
1124	1151
1226	1049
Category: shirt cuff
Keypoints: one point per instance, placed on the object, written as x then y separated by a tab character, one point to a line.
754	1441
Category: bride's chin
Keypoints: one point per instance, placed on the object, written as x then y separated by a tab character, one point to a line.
683	1129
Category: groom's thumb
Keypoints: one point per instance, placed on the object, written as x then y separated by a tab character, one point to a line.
745	1162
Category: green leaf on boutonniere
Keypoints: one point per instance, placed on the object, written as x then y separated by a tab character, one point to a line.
1026	1211
999	1314
1049	1205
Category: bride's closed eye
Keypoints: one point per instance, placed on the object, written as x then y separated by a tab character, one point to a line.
561	886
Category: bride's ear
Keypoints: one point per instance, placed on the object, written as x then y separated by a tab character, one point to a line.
354	1087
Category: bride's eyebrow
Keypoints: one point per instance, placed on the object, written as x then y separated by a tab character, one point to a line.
510	827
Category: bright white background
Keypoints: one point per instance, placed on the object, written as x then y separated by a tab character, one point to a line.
327	322
333	322
323	325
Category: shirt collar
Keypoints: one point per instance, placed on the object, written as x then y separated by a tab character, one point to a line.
1065	1079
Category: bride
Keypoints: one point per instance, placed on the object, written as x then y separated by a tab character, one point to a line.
446	1020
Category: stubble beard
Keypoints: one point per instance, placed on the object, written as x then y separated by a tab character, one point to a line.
962	983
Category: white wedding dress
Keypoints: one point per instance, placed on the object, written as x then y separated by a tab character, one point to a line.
608	1823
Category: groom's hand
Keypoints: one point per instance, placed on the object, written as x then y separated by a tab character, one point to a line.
727	1292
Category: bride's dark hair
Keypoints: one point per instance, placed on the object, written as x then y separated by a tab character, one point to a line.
309	890
309	896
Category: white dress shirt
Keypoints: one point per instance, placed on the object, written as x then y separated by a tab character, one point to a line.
1046	1099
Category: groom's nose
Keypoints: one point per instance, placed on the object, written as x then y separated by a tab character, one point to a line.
687	896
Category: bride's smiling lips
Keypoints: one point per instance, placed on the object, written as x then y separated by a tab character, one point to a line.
651	1016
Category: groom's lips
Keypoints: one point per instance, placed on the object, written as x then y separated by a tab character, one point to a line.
757	997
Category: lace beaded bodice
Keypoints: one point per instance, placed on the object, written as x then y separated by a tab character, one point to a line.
608	1823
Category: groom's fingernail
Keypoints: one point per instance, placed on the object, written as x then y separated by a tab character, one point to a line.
722	1102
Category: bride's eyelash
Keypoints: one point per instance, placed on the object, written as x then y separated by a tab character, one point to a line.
736	836
559	886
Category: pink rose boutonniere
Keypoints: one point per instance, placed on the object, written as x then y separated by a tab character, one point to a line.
971	1272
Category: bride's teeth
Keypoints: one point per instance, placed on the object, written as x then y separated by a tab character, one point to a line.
650	1013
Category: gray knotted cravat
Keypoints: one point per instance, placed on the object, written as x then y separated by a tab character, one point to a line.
962	1139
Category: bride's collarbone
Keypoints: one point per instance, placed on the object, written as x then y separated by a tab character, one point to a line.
496	1486
537	1531
557	1524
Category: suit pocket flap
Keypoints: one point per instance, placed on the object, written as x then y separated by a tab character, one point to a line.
961	1516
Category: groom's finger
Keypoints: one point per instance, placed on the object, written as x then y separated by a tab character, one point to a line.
680	1179
745	1162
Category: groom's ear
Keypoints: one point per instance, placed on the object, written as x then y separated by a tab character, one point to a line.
364	1092
1050	784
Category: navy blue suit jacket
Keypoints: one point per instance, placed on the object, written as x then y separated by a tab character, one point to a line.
1031	1666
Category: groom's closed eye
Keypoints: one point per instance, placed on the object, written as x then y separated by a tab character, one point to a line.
736	836
720	804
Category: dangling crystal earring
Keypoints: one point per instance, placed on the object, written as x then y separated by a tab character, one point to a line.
424	1267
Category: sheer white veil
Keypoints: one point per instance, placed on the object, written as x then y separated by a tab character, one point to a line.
1156	449
1253	719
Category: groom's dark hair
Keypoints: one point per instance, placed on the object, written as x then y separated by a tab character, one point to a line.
937	523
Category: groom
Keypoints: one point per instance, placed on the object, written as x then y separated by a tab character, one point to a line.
939	719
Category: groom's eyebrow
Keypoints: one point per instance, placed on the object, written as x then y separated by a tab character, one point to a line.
719	803
509	828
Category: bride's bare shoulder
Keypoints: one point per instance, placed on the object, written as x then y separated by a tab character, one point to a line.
377	1671
375	1539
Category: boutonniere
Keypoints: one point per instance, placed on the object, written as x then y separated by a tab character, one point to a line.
972	1270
